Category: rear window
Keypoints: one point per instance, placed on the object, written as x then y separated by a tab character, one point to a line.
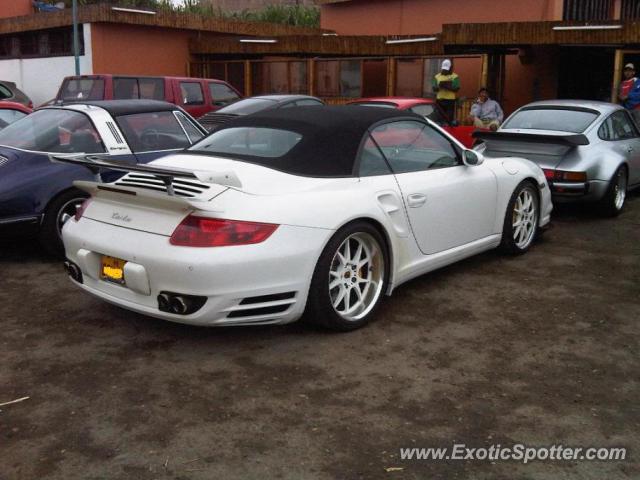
5	92
249	142
82	89
375	104
155	131
126	88
248	106
222	94
55	131
8	116
560	120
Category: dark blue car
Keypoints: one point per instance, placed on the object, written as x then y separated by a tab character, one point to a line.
38	196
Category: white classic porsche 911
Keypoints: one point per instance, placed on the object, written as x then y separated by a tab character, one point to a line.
314	210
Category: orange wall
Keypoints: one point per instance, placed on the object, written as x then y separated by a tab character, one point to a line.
15	8
136	50
409	17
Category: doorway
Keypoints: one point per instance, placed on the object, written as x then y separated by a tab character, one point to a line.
586	73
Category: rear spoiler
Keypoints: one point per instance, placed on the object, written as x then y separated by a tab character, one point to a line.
573	140
96	163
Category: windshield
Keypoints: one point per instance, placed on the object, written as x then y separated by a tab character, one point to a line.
249	142
55	131
153	131
560	120
82	89
247	106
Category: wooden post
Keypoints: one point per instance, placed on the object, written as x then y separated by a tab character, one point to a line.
617	74
391	84
311	77
484	72
247	78
617	9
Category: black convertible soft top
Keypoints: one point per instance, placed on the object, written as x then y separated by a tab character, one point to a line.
128	107
331	136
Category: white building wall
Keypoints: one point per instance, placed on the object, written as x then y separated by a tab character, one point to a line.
40	78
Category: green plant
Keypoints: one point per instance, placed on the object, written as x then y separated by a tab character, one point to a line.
296	15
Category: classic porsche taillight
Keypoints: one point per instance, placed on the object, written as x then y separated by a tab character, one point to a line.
196	231
562	176
80	210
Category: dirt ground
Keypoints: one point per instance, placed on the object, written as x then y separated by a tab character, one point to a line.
540	350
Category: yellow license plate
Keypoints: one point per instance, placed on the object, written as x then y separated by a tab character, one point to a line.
112	269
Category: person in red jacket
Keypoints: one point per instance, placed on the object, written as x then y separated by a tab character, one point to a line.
629	92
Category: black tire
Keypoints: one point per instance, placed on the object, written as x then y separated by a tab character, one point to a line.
610	205
319	309
509	244
49	235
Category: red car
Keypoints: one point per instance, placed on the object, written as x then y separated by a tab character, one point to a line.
195	95
12	111
426	107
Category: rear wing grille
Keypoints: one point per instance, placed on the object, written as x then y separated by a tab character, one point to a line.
213	120
173	181
181	188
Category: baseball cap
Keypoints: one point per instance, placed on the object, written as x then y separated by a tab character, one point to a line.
628	66
446	64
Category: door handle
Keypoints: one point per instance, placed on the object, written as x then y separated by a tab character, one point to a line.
416	200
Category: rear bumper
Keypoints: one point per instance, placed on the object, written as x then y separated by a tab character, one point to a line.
229	277
566	192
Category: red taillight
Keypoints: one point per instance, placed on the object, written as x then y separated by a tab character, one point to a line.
562	176
80	210
196	231
30	104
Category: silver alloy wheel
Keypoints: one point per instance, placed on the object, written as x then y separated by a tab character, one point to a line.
620	188
356	276
525	218
66	212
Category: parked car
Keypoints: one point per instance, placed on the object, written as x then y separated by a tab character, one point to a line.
256	104
12	111
37	196
428	108
589	151
317	209
195	95
10	93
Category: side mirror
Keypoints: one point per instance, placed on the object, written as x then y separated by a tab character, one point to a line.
472	158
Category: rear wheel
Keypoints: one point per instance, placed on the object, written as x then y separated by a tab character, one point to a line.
521	219
57	213
350	278
613	201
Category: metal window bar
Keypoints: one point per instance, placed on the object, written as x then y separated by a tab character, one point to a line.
630	10
586	10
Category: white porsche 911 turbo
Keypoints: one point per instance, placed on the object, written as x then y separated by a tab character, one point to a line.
314	210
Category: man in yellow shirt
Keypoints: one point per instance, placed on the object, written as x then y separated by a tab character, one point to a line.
446	85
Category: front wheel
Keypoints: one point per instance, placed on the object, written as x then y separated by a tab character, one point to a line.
349	279
58	212
613	201
521	219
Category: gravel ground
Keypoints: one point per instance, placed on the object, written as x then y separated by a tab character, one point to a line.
540	350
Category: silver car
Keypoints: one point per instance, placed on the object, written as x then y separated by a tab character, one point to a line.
589	151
